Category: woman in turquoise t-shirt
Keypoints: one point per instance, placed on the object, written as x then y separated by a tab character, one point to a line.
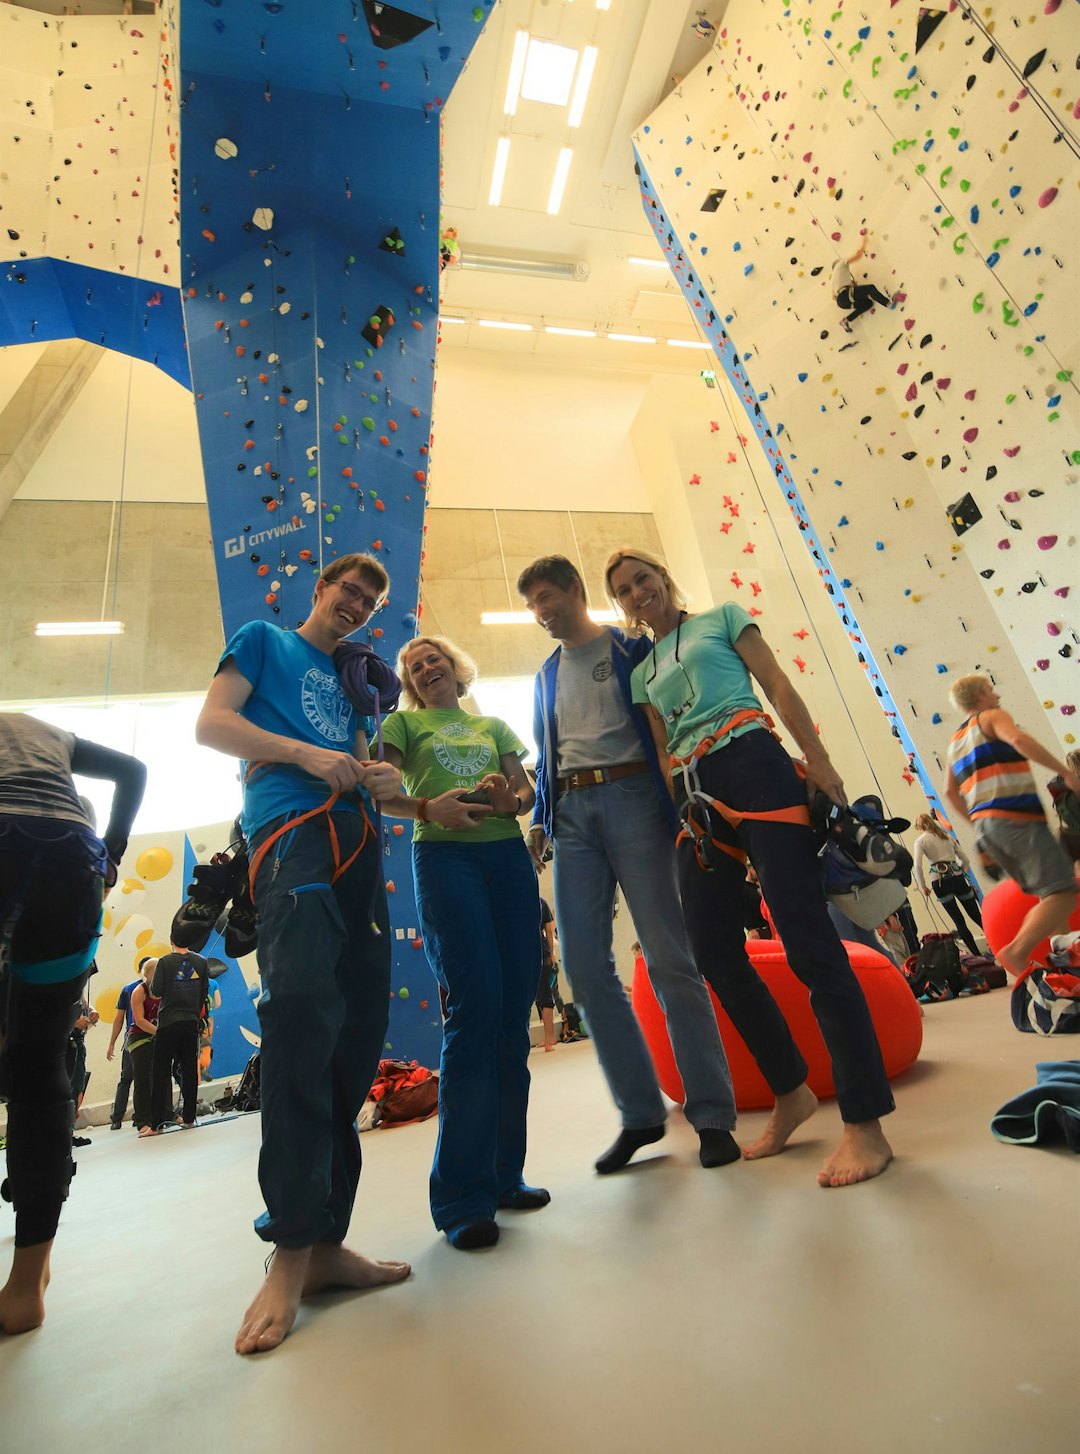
479	910
697	690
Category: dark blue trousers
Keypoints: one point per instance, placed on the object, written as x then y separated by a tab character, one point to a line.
479	910
754	773
323	1016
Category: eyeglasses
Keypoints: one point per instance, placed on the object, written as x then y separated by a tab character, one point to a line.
359	597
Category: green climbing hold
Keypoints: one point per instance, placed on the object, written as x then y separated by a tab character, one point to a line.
403	994
329	517
313	471
367	423
965	185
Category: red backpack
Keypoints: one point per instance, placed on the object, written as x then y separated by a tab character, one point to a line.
404	1091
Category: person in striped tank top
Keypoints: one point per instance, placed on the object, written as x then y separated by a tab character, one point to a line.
989	782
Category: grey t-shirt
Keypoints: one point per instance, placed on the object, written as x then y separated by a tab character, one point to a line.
842	276
35	770
595	728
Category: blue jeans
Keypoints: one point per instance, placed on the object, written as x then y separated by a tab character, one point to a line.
616	833
479	909
755	774
323	1016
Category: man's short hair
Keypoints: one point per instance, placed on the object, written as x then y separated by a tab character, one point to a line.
556	570
365	565
966	691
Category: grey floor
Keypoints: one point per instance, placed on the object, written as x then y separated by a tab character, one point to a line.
667	1308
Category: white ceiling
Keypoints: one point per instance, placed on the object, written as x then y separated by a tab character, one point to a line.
643	46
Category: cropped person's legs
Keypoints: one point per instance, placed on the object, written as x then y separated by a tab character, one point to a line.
641	852
142	1083
514	906
187	1055
952	908
584	905
305	1095
123	1091
462	948
866	295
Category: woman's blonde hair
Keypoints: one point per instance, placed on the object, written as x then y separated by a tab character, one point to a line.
927	823
461	664
966	691
638	552
1072	761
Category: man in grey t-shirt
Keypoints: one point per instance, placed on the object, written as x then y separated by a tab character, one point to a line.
602	801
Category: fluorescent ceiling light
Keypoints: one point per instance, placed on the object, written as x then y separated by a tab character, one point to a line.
572	332
631	338
685	343
603	4
582	84
517	70
572	269
497	323
647	262
549	72
79	628
526	618
498	175
558	184
445	319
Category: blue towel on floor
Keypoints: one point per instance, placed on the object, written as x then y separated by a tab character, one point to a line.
1047	1113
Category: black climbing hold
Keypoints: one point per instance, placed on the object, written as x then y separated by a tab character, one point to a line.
963	514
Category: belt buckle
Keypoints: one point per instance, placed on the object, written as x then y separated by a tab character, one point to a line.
598	775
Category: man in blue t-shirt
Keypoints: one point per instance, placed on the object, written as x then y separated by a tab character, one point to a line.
324	936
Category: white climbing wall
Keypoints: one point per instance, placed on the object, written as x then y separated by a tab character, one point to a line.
805	124
89	142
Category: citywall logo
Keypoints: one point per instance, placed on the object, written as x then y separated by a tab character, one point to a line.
238	544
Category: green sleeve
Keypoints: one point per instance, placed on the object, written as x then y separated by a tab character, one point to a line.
638	691
506	739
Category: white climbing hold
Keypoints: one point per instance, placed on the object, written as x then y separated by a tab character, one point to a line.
263	217
224	148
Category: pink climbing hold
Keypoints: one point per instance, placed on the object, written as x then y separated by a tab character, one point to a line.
911	392
1048	196
1053	629
1004	544
1043	663
1068	710
943	383
1012	496
971	435
1012	452
1046	542
969	394
1062	591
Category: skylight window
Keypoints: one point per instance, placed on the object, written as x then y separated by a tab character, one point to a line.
549	72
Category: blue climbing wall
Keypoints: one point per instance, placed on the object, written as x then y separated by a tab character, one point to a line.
309	206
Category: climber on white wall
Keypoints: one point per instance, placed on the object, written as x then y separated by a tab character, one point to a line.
859	297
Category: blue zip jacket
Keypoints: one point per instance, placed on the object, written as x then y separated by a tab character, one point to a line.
626	652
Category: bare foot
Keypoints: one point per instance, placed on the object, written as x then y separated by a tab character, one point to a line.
549	1046
789	1112
272	1314
863	1153
335	1266
22	1298
148	1131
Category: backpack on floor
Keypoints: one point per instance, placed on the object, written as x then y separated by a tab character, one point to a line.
935	973
404	1091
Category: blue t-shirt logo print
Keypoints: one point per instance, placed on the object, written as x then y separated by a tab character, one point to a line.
325	704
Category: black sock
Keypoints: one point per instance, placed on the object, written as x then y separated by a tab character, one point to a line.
619	1153
718	1148
468	1236
525	1198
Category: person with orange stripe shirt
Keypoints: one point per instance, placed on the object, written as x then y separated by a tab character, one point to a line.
989	782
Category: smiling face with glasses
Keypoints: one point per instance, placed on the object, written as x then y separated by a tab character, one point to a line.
342	606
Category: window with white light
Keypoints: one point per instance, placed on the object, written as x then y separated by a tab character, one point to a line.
549	72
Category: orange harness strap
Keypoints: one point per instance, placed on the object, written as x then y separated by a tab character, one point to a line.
798	815
291	823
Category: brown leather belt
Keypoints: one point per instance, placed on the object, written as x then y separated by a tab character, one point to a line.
591	777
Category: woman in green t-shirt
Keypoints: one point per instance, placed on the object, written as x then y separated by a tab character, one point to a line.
697	691
479	910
